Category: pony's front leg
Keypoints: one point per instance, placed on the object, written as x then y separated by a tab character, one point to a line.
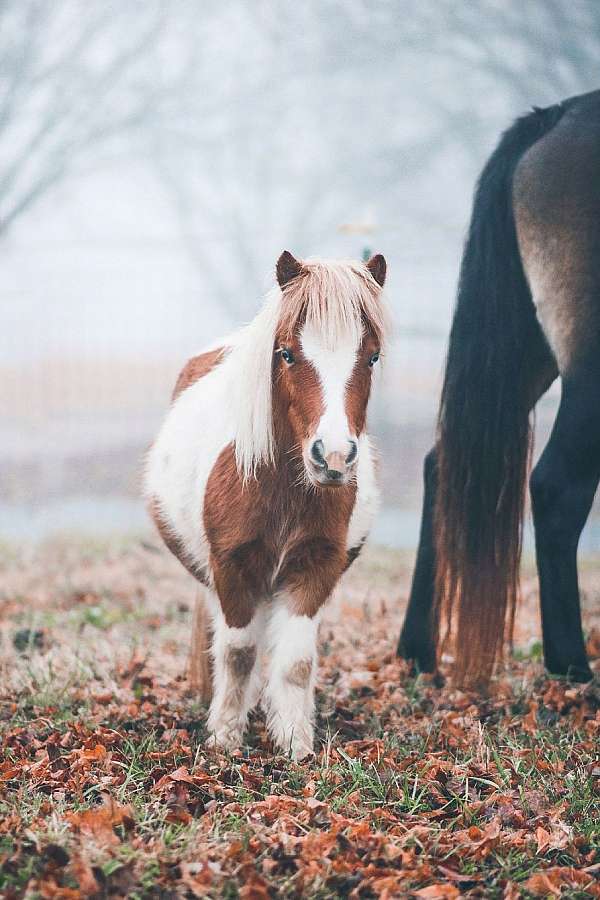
305	581
290	684
237	678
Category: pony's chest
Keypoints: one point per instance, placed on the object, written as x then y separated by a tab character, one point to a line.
294	513
271	513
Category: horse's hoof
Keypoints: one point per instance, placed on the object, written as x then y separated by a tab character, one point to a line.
580	674
577	674
426	669
437	679
433	679
421	659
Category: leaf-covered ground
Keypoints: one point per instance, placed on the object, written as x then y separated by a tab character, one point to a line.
107	789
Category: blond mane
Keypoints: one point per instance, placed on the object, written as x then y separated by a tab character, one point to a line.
337	297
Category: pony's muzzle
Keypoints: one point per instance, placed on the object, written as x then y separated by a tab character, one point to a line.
333	467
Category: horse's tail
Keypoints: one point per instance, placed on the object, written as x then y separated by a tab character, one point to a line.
200	665
484	434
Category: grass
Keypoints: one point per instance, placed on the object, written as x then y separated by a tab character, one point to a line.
107	787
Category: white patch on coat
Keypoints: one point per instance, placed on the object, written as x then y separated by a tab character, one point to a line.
334	367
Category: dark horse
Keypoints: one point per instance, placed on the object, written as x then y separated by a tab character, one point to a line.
528	310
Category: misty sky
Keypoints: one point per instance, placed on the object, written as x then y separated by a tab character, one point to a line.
183	150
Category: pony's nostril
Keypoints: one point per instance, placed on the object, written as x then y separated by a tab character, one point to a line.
353	453
317	452
335	466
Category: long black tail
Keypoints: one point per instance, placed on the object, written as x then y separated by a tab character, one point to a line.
484	434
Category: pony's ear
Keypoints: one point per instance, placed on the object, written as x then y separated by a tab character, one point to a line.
287	268
377	267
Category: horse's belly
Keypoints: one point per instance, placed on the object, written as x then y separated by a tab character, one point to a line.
194	433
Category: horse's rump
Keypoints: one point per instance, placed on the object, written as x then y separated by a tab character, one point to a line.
557	212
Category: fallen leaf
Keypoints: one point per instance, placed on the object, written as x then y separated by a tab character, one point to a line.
100	821
543	839
438	892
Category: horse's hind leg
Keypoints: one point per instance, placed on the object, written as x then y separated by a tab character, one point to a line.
236	676
563	485
417	642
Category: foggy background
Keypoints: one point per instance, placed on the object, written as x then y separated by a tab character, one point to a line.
156	157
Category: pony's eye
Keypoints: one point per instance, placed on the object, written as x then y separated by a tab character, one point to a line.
373	359
287	355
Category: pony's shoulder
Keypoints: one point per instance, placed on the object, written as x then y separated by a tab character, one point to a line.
197	367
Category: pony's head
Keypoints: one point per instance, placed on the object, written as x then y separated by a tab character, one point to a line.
303	366
328	339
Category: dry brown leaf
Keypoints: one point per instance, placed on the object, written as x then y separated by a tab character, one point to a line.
197	877
99	823
543	839
255	888
438	892
593	643
84	876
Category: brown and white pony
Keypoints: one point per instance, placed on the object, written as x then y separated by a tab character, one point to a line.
261	481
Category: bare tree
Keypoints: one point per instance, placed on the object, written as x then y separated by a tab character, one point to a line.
75	81
328	107
276	122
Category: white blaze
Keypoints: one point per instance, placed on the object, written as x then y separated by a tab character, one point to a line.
334	368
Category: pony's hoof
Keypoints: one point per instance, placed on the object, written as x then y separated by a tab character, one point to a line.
295	743
302	752
224	739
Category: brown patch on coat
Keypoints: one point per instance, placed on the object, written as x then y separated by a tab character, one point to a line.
240	661
299	674
312	567
197	367
358	389
298	387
